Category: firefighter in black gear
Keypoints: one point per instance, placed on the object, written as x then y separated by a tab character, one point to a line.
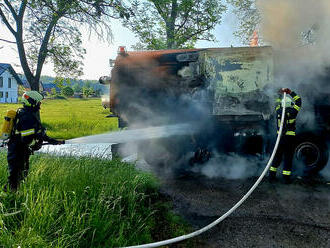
27	136
287	143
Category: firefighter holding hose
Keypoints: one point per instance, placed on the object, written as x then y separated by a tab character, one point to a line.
25	135
287	143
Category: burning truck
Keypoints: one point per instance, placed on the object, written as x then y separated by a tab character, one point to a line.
227	94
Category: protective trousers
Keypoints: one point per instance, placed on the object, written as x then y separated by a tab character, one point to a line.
18	163
285	151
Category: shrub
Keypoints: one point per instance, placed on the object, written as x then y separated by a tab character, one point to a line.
67	91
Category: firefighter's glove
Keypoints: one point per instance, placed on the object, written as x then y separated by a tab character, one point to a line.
36	147
286	90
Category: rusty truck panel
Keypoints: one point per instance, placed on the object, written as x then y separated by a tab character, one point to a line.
230	80
237	77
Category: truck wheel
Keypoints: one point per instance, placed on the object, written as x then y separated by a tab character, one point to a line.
164	153
312	152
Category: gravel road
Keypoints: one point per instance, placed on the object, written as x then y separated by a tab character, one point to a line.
275	215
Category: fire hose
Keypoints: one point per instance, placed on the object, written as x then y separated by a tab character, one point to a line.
230	211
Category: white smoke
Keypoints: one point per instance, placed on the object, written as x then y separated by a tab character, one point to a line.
288	26
298	30
232	166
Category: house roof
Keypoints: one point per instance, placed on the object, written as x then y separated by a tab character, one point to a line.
4	67
49	85
26	84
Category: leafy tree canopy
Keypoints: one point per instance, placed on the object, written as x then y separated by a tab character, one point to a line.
164	24
48	30
248	17
76	88
67	91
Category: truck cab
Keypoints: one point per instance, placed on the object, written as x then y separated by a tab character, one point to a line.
229	93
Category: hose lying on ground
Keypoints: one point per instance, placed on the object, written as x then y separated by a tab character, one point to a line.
230	211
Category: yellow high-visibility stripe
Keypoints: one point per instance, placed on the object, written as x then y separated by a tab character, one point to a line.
296	97
27	132
291	121
277	107
273	169
287	173
296	107
290	133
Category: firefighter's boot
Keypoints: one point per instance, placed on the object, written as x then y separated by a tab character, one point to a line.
287	176
272	176
287	179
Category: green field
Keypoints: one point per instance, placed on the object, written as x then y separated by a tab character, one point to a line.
71	118
82	202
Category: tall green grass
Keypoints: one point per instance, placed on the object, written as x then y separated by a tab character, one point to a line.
71	118
85	202
69	202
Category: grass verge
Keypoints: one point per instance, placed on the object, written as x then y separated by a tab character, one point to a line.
85	202
71	118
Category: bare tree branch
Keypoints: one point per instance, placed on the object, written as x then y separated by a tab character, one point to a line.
22	9
49	29
4	19
12	10
8	41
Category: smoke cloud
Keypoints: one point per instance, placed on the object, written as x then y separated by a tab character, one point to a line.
232	166
298	31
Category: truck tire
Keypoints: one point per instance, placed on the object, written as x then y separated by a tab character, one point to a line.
163	152
312	151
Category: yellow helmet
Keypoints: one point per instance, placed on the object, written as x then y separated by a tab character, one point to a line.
31	98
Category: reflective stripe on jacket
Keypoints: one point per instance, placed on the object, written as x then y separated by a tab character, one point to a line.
27	125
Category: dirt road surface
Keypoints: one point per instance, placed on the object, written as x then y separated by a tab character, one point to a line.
275	215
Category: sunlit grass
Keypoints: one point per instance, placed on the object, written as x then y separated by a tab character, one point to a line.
69	202
85	202
71	118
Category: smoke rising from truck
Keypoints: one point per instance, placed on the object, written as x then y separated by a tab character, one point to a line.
154	93
298	31
151	96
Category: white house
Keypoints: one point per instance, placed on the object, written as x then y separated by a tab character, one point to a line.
9	81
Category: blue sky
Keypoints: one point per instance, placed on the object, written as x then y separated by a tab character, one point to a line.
96	63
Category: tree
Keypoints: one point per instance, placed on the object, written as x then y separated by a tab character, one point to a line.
21	90
59	82
46	30
67	91
76	88
248	16
87	91
53	91
68	82
87	84
163	24
98	92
